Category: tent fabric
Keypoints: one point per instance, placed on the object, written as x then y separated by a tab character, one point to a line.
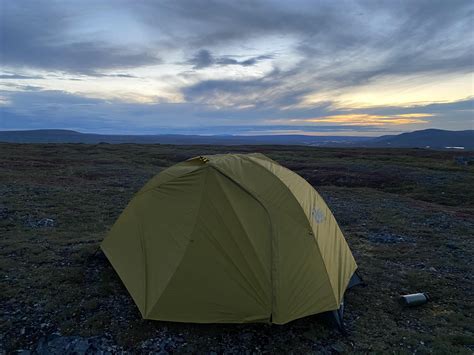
230	238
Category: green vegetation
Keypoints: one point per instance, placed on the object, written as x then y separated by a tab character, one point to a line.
408	216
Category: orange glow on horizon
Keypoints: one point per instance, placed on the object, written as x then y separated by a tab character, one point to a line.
368	119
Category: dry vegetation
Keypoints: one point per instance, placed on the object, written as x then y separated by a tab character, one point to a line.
408	216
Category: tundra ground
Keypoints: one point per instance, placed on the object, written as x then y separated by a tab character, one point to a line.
408	216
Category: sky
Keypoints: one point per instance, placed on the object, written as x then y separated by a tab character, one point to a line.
364	68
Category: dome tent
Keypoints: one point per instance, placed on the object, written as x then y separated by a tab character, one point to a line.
230	238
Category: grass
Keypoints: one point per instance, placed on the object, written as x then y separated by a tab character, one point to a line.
407	215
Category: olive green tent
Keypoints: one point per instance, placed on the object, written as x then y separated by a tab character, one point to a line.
230	238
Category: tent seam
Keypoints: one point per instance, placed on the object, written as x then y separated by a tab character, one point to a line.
240	222
255	196
142	245
302	210
190	234
141	192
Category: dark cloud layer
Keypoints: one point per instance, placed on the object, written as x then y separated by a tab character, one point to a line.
423	35
204	59
414	35
18	76
329	45
34	34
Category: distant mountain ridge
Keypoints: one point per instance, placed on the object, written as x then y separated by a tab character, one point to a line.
429	138
69	136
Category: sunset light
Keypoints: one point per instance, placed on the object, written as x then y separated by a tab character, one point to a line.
149	68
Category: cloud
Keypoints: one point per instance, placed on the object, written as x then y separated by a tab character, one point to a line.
40	34
204	59
207	88
227	63
360	47
113	75
344	43
58	109
21	87
214	23
18	76
273	89
408	33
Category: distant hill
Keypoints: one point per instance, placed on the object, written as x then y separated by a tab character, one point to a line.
68	136
429	138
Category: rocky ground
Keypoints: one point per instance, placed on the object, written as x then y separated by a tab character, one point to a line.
408	216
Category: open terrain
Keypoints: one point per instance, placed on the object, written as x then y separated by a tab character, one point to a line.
428	138
408	216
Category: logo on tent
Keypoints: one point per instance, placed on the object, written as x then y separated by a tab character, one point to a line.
318	215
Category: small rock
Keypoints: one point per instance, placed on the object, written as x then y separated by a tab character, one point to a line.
80	346
339	347
246	336
388	238
46	222
41	223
